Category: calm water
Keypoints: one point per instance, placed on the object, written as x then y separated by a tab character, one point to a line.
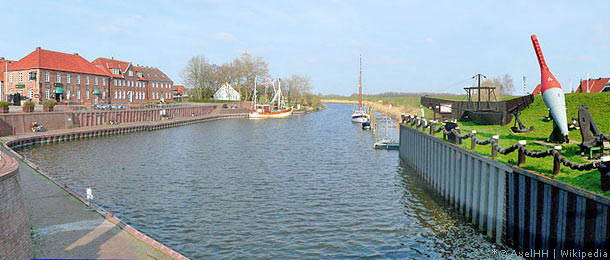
306	187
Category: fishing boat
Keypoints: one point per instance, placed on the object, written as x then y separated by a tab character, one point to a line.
271	110
359	116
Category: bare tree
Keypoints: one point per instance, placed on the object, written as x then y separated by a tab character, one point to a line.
504	85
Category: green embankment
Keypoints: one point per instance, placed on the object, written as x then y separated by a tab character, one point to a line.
599	107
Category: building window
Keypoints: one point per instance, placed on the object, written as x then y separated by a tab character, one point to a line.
20	78
115	71
58	77
10	78
87	94
95	81
46	93
68	78
104	95
78	94
103	81
87	80
78	80
68	95
131	73
47	77
10	91
32	75
31	93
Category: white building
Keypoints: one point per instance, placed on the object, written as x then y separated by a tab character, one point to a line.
226	92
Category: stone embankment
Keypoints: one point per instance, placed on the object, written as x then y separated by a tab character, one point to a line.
15	240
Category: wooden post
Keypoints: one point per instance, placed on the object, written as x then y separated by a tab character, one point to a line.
556	162
604	170
521	153
473	144
494	152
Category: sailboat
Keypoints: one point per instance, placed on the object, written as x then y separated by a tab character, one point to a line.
262	111
359	116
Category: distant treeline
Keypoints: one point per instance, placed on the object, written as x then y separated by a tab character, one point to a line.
398	94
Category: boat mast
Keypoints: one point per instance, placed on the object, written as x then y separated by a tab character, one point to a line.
279	92
255	99
360	86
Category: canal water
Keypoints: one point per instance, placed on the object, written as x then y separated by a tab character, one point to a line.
310	186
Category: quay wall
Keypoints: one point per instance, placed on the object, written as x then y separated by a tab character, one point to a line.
15	242
510	205
19	123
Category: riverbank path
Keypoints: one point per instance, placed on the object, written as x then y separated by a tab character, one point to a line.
64	227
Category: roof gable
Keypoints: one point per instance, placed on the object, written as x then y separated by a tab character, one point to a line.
154	74
593	85
110	64
53	60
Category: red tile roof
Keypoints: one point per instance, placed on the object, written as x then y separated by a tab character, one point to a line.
154	74
593	85
537	90
52	60
110	64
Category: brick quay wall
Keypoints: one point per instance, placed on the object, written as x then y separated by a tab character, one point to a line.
15	242
20	123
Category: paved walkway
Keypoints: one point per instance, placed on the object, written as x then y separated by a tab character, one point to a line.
64	227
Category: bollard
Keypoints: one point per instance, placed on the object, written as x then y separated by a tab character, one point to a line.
432	127
458	140
604	170
473	144
89	195
521	153
494	143
556	161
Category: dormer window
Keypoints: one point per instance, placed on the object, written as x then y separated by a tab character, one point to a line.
139	74
115	71
131	73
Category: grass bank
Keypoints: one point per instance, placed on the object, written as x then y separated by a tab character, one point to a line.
599	107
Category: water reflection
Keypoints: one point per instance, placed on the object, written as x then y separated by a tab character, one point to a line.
305	187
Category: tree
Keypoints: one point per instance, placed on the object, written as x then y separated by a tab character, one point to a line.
504	85
199	75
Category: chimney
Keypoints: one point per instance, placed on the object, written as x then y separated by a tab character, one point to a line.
76	53
112	57
37	48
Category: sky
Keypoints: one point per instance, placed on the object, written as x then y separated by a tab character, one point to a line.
407	46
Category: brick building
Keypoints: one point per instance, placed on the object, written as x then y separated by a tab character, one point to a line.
127	82
160	86
42	74
3	67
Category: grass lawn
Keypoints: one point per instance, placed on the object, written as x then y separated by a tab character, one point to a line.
599	107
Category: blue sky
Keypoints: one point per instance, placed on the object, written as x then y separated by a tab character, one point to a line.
407	46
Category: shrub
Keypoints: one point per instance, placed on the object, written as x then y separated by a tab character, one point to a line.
49	103
29	104
3	104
